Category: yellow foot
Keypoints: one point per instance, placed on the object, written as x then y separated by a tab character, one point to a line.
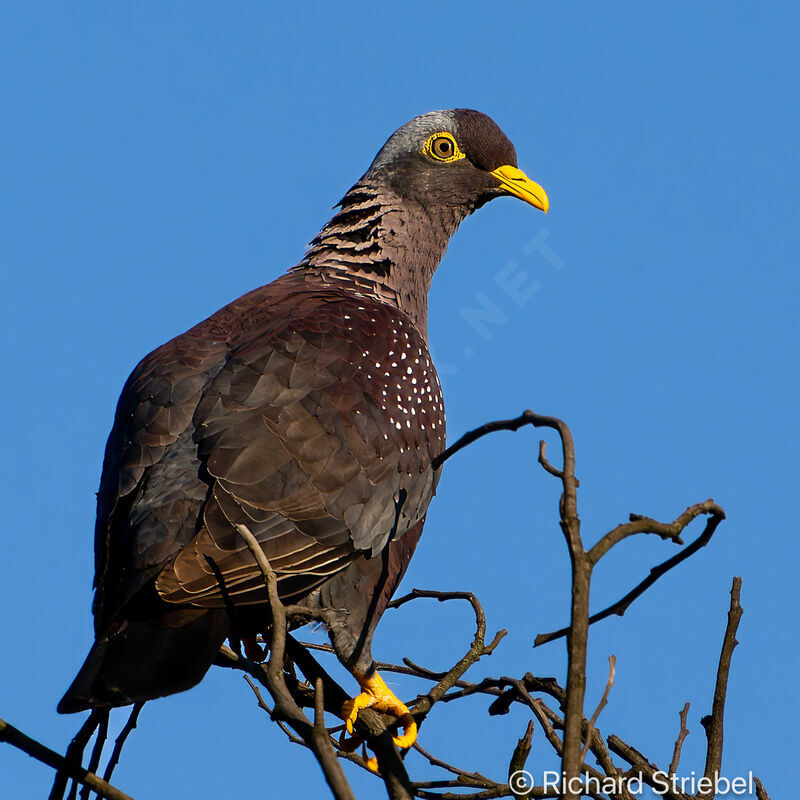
376	694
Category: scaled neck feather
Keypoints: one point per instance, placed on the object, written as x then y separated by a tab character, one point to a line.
391	244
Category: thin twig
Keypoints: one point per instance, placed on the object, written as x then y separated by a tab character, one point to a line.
121	739
97	750
74	753
548	467
666	530
714	724
612	666
526	418
761	792
621	606
285	706
466	778
683	733
644	768
477	649
16	738
519	757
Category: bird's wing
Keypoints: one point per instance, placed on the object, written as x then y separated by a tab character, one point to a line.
267	414
303	445
150	490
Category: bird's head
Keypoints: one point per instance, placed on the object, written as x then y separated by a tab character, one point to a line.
394	224
458	158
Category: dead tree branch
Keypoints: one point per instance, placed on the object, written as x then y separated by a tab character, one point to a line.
296	680
714	724
683	733
285	706
570	734
716	515
16	738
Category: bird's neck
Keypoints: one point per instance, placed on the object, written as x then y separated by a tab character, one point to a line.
388	247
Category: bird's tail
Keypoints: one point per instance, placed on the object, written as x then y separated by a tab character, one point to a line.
146	659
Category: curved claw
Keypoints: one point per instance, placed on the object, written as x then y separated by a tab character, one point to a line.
350	708
370	762
376	694
409	730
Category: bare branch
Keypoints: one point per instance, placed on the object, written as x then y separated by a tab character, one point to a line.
74	753
465	778
621	606
572	736
713	725
94	759
612	666
526	418
521	752
644	768
121	739
578	636
761	792
548	467
684	732
477	649
285	706
16	738
666	530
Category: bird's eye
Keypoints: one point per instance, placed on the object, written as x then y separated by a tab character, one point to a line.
442	147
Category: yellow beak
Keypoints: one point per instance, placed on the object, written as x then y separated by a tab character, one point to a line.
516	182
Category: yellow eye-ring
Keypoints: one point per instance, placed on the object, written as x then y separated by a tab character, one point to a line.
442	147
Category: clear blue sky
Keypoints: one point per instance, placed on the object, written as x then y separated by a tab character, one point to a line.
158	161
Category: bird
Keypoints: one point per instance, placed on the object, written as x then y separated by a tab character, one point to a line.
309	411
